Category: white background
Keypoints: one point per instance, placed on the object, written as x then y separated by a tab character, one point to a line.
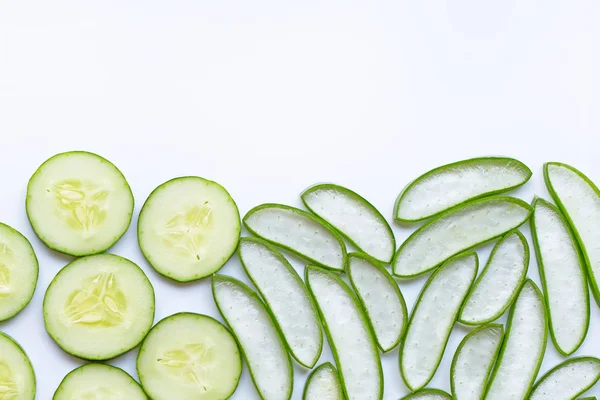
269	97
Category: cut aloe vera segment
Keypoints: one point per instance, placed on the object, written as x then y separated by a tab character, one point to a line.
498	284
474	360
523	347
18	272
381	298
323	384
188	228
563	275
261	343
458	230
99	381
567	380
433	317
354	217
189	356
454	184
428	394
579	200
286	297
17	379
350	337
99	307
299	232
79	203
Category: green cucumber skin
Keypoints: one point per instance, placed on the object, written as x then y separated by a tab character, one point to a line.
543	276
253	294
564	364
428	391
446	166
9	338
592	279
85	365
485	269
391	280
63	250
37	273
362	316
513	200
357	197
294	273
308	215
314	372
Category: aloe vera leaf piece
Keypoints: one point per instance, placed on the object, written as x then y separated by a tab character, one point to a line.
568	379
428	394
323	384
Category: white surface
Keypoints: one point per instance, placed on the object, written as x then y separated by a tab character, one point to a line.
269	97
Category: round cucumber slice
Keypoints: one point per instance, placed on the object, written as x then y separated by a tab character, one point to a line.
18	272
99	307
79	203
189	356
17	379
188	228
99	381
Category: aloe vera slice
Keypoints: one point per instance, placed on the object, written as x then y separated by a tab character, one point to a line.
563	277
523	347
589	398
353	217
428	394
458	230
498	284
567	380
286	297
453	184
349	334
432	319
299	232
579	200
323	384
474	360
381	298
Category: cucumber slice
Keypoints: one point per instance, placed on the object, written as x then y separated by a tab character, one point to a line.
261	343
350	337
18	272
354	218
457	230
428	394
381	298
474	360
498	285
523	347
323	384
99	307
579	200
433	317
79	203
286	297
567	380
299	232
454	184
17	379
563	276
189	356
188	228
99	381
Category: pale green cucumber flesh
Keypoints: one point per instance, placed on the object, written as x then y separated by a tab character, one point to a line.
567	380
17	379
323	383
428	394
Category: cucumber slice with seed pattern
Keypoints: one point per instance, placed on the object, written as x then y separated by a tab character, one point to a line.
428	394
79	203
323	384
17	379
567	380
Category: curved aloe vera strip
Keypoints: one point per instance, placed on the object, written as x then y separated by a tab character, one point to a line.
457	230
523	347
453	184
433	317
299	232
354	218
579	200
349	334
562	272
261	343
428	394
381	298
323	384
474	360
286	296
498	284
567	380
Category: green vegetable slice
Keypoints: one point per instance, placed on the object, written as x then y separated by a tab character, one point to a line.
17	379
567	380
99	381
323	384
433	317
457	230
428	394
